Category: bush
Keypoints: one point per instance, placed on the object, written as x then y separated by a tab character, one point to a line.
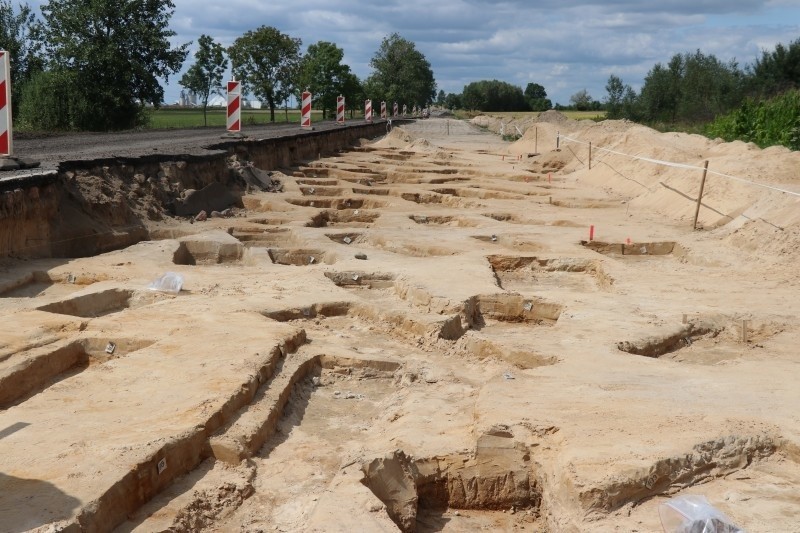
46	102
765	123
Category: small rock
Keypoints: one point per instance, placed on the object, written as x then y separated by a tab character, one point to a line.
361	256
457	513
216	214
201	216
227	213
316	381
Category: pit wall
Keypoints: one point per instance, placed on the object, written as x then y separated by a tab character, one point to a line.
94	206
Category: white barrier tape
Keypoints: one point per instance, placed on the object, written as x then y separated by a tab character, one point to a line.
720	174
684	166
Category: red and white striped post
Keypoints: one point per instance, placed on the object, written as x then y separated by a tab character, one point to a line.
305	110
395	109
383	110
340	109
6	138
234	123
368	110
405	110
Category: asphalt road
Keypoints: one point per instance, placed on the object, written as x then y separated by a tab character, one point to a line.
54	149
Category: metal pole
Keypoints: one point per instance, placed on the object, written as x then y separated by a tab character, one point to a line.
700	196
558	140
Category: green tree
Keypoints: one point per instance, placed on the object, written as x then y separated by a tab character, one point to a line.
267	62
776	71
581	100
18	36
536	97
401	74
204	78
353	91
493	95
322	73
453	101
616	93
692	88
440	98
115	51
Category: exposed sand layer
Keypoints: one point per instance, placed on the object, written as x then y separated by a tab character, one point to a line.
418	334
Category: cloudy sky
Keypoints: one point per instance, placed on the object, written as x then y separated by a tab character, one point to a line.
564	45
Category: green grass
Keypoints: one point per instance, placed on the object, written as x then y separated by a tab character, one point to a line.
175	117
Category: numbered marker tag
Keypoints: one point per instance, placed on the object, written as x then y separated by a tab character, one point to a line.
162	465
110	347
347	240
528	306
70	278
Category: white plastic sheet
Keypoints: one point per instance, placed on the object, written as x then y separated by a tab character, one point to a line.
170	282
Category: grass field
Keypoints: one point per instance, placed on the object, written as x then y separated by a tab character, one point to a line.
174	117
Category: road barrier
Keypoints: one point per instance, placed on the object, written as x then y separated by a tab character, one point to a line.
405	110
368	110
6	138
396	110
305	118
383	110
340	109
234	122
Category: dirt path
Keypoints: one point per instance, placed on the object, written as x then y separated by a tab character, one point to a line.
413	335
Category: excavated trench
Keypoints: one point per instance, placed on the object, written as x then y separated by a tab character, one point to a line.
668	342
345	238
26	373
263	238
361	280
419	494
634	249
39	283
300	256
443	220
522	272
102	303
345	219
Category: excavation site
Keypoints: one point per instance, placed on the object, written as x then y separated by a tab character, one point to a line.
416	327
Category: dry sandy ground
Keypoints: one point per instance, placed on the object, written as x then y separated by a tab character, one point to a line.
481	369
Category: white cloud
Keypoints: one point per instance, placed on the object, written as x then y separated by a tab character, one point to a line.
566	45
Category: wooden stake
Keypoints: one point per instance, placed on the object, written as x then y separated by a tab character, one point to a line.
700	196
744	331
536	140
590	156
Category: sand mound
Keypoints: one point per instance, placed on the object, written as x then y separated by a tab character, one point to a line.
420	145
552	116
397	138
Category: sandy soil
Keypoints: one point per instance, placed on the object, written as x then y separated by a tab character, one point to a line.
414	335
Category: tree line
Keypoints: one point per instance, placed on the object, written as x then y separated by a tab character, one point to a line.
494	95
98	65
757	103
